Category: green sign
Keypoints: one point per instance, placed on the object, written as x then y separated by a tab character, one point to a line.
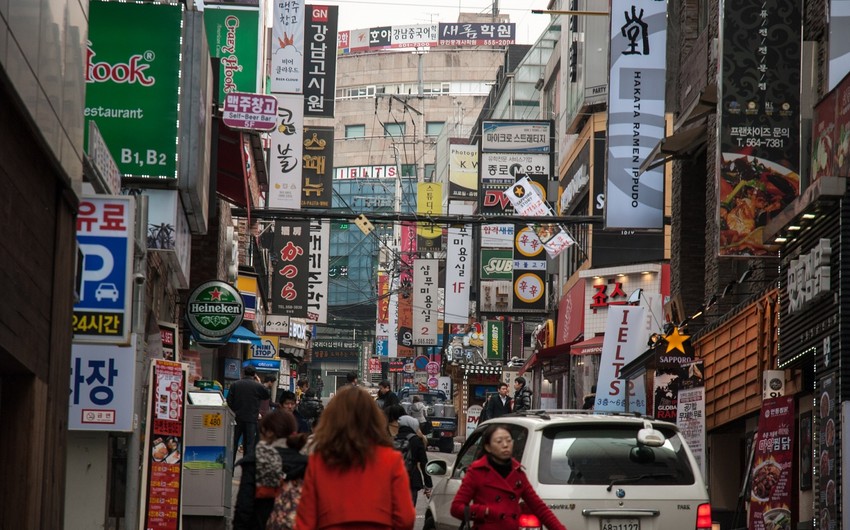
132	74
214	310
494	339
233	35
497	264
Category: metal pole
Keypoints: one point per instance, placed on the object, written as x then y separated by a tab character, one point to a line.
134	446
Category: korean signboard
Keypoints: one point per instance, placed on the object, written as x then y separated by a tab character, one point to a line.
163	451
132	74
635	113
233	33
516	136
497	236
249	112
382	329
429	200
404	326
320	60
277	325
317	282
463	171
425	301
528	203
477	34
458	269
318	160
100	376
514	165
287	142
105	234
287	53
759	121
529	272
771	481
426	36
290	259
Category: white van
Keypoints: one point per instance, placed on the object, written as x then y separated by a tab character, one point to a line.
596	471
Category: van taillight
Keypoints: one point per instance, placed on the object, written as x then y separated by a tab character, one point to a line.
704	517
529	522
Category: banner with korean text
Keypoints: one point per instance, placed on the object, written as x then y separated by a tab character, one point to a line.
320	60
287	48
426	274
285	156
458	268
771	480
636	113
318	154
758	146
290	263
429	200
625	340
317	281
382	329
100	373
404	329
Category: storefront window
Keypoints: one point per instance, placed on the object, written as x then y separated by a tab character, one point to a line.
584	370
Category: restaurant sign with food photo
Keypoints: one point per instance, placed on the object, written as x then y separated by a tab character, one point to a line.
771	479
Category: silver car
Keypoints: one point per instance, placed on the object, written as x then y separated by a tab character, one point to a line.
596	471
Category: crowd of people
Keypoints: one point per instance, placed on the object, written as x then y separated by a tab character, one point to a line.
300	460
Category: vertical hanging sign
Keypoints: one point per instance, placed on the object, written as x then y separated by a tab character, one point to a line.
290	262
287	48
318	155
458	268
317	282
320	60
425	302
285	156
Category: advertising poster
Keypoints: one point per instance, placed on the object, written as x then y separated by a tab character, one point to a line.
827	410
318	154
100	373
425	301
404	334
132	74
673	369
285	157
771	480
317	281
105	234
320	61
163	452
463	172
625	340
233	33
392	313
691	421
287	48
635	113
168	335
290	261
842	126
824	138
759	120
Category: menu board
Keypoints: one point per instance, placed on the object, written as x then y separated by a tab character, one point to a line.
771	480
164	446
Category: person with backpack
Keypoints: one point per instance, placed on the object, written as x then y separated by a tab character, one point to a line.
278	460
522	395
413	450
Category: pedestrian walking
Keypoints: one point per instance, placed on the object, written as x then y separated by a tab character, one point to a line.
497	405
419	411
522	395
355	478
386	397
287	402
409	442
495	483
278	457
243	398
267	405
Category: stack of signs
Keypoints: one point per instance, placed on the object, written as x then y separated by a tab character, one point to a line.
528	203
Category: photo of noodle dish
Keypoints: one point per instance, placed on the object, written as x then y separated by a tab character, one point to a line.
752	191
777	519
764	479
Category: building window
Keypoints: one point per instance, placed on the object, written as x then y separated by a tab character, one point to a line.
394	130
430	170
408	170
355	131
433	128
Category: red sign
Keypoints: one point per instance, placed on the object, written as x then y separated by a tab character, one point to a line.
250	112
771	480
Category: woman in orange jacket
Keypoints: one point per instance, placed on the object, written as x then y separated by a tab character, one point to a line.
355	479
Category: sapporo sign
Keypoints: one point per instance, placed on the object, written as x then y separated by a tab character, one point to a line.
132	73
214	310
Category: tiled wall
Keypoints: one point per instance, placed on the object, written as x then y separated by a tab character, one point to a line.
42	53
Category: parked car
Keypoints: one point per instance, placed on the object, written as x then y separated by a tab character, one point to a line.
596	471
439	412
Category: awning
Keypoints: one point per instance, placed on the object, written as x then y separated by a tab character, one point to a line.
232	171
544	354
591	346
243	335
682	144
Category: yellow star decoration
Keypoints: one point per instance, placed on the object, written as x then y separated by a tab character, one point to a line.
676	341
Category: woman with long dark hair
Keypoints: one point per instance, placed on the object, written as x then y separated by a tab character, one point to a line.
355	480
278	458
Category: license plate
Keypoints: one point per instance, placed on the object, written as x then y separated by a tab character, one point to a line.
435	424
620	524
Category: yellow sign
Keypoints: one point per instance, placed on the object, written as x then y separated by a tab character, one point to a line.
429	200
213	421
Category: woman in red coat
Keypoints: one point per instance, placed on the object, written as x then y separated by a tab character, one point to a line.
355	479
495	483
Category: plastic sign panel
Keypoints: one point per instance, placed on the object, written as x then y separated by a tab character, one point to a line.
287	147
425	299
214	310
132	73
101	375
233	34
320	61
287	53
249	112
105	228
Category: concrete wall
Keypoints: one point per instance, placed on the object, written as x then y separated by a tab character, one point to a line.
88	467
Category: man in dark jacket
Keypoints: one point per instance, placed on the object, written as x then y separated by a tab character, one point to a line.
497	405
386	397
287	402
418	458
522	395
244	399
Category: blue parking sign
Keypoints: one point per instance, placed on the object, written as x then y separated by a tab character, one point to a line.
105	233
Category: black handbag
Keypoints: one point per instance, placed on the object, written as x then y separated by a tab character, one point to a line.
466	524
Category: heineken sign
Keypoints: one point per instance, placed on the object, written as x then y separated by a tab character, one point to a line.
214	311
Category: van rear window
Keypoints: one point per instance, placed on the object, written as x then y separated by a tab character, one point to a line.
602	455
